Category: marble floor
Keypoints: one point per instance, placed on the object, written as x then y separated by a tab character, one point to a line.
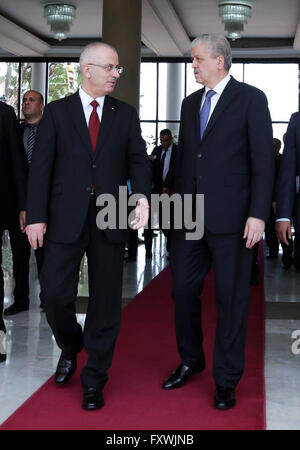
32	353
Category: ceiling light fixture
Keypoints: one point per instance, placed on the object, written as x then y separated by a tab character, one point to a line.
60	17
234	15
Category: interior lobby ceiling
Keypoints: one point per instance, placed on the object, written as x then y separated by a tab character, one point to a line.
168	26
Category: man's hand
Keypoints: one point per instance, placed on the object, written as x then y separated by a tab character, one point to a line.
35	233
141	214
22	221
254	230
283	230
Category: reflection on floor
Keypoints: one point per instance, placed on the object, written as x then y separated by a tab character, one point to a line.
32	353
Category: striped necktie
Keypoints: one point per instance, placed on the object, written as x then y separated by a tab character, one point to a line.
30	143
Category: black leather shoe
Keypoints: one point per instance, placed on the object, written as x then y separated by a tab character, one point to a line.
15	309
181	375
65	370
224	398
92	399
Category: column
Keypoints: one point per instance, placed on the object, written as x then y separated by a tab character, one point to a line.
175	95
38	78
121	28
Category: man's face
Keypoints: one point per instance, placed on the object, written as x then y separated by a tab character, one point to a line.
102	81
206	69
32	107
165	141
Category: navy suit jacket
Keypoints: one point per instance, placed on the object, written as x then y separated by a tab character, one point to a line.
233	164
13	167
158	182
64	167
289	169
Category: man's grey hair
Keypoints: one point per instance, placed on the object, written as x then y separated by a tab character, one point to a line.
217	45
89	50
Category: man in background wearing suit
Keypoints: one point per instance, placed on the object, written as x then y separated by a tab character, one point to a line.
32	109
287	202
163	172
225	151
13	173
87	144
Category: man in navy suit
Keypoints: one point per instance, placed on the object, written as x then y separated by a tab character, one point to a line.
225	152
287	208
163	159
87	144
13	174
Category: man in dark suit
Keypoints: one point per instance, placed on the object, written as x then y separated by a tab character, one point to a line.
87	144
163	173
226	153
13	198
287	201
270	233
32	109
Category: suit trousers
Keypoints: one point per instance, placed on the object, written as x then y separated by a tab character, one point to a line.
190	263
20	249
60	276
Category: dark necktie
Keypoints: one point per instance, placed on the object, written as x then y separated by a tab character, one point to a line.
162	163
30	143
94	125
204	113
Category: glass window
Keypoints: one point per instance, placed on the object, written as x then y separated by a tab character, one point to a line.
148	86
171	90
64	79
279	129
26	77
149	135
236	70
280	84
9	84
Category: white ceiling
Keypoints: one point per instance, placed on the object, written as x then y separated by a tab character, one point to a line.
167	27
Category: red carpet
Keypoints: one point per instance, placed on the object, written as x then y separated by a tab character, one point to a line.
145	354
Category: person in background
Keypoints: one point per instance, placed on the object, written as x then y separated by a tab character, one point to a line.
32	109
13	175
163	159
287	191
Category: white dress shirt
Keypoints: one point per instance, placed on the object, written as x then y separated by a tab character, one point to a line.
219	88
87	107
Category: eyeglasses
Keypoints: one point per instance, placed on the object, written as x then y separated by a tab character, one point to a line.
109	67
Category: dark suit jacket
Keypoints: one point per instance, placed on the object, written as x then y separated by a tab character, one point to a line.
289	169
13	168
233	164
158	182
64	167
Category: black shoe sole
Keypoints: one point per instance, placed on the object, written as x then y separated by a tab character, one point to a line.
222	406
92	406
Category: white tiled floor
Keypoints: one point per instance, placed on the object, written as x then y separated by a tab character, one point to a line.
32	353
